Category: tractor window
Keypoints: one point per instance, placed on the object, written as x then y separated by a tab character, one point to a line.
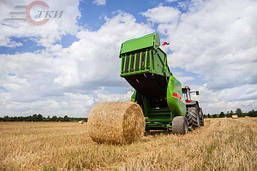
184	96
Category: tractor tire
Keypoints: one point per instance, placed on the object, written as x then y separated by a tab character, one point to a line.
179	125
193	117
201	117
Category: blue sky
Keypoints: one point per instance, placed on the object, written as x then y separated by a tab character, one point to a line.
69	64
92	18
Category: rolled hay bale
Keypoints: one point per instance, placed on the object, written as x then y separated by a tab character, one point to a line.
81	122
234	117
116	122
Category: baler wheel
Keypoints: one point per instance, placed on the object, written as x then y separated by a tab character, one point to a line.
179	125
193	117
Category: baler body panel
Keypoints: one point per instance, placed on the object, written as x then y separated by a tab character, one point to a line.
174	97
147	57
150	40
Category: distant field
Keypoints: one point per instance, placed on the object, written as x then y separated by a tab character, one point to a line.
223	144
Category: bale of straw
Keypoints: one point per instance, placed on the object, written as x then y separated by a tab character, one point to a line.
234	117
116	122
81	122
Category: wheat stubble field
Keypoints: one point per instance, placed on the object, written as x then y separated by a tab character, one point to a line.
223	144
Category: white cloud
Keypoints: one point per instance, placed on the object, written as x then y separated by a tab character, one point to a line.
171	0
218	44
162	14
99	2
218	41
104	96
243	97
5	41
182	78
47	33
95	57
69	80
212	39
71	104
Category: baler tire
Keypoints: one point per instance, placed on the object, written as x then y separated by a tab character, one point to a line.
193	117
201	117
179	125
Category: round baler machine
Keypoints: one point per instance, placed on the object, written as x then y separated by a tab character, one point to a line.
158	103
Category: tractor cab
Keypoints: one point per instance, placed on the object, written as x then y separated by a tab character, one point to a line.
187	94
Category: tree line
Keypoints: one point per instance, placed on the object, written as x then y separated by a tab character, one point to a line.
238	112
40	118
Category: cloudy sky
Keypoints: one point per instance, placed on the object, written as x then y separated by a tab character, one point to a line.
71	62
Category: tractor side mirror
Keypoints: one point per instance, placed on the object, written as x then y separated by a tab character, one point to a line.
197	93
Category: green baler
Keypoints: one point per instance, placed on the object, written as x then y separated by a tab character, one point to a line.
157	91
158	102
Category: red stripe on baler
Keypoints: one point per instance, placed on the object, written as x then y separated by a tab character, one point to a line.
177	96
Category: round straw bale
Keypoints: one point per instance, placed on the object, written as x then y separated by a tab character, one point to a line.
234	117
116	122
81	122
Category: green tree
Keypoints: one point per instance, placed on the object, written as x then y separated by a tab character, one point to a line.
54	118
239	112
48	118
230	113
222	115
227	114
252	113
34	117
39	117
65	118
215	116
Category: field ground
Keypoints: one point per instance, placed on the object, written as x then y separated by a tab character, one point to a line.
223	144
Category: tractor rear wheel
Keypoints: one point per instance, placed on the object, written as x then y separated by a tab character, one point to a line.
201	117
179	125
193	117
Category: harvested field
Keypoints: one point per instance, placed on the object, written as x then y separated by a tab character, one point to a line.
223	144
